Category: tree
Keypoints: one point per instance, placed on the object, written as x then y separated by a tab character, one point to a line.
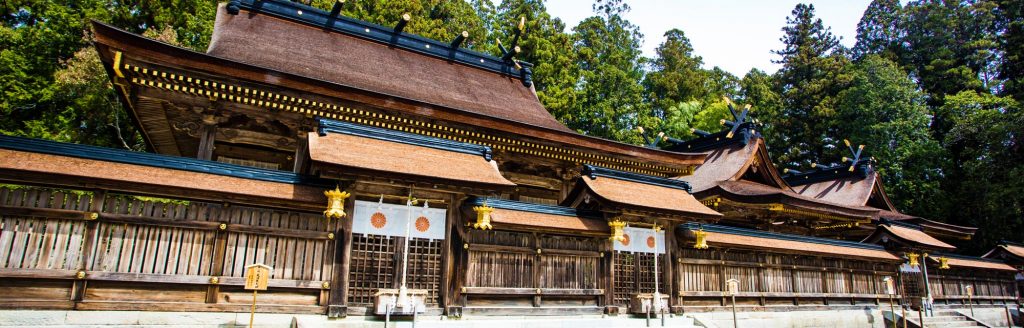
986	129
439	20
884	110
809	80
609	100
53	86
545	44
949	49
675	75
757	88
878	31
1011	22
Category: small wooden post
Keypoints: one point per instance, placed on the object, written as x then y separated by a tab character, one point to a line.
890	289
256	278
970	298
733	288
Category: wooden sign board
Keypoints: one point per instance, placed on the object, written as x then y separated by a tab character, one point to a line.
732	287
257	276
890	286
970	290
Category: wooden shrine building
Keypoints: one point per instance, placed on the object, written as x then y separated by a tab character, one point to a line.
362	163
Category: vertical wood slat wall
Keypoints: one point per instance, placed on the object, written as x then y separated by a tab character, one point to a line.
763	276
514	262
157	250
949	286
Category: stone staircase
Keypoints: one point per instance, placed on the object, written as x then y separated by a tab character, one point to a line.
942	319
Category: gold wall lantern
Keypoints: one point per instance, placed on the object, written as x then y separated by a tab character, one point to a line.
335	203
702	239
913	259
943	262
617	233
483	217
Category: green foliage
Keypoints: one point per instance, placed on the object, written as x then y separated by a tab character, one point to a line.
878	31
883	110
609	100
809	81
545	44
987	130
675	74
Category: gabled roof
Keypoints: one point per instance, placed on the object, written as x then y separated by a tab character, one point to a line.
360	149
905	235
971	262
521	215
624	190
371	57
863	186
153	174
314	70
1007	251
739	169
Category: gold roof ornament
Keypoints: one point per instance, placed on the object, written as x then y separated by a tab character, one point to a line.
943	263
617	233
912	257
335	203
702	239
483	217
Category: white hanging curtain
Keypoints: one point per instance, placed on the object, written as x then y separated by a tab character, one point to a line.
376	218
641	240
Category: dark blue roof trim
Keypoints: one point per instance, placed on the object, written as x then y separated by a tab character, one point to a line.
827	173
157	160
331	126
779	236
522	206
885	221
965	257
717	140
323	20
594	171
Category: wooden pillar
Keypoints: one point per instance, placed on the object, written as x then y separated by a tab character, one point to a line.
824	280
793	283
668	264
207	134
301	152
337	304
721	273
609	272
88	245
537	260
446	252
219	250
762	258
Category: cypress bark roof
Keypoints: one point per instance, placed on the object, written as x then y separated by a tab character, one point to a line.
754	239
262	40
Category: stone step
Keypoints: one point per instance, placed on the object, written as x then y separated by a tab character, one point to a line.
945	318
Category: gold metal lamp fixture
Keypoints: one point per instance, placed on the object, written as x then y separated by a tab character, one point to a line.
483	217
617	233
335	203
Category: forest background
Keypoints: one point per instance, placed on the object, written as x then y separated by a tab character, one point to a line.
933	88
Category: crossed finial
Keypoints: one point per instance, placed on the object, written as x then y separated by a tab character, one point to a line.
856	155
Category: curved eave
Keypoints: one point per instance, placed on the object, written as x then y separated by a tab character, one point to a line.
109	38
791	202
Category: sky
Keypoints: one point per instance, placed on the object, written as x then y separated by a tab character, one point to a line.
736	35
